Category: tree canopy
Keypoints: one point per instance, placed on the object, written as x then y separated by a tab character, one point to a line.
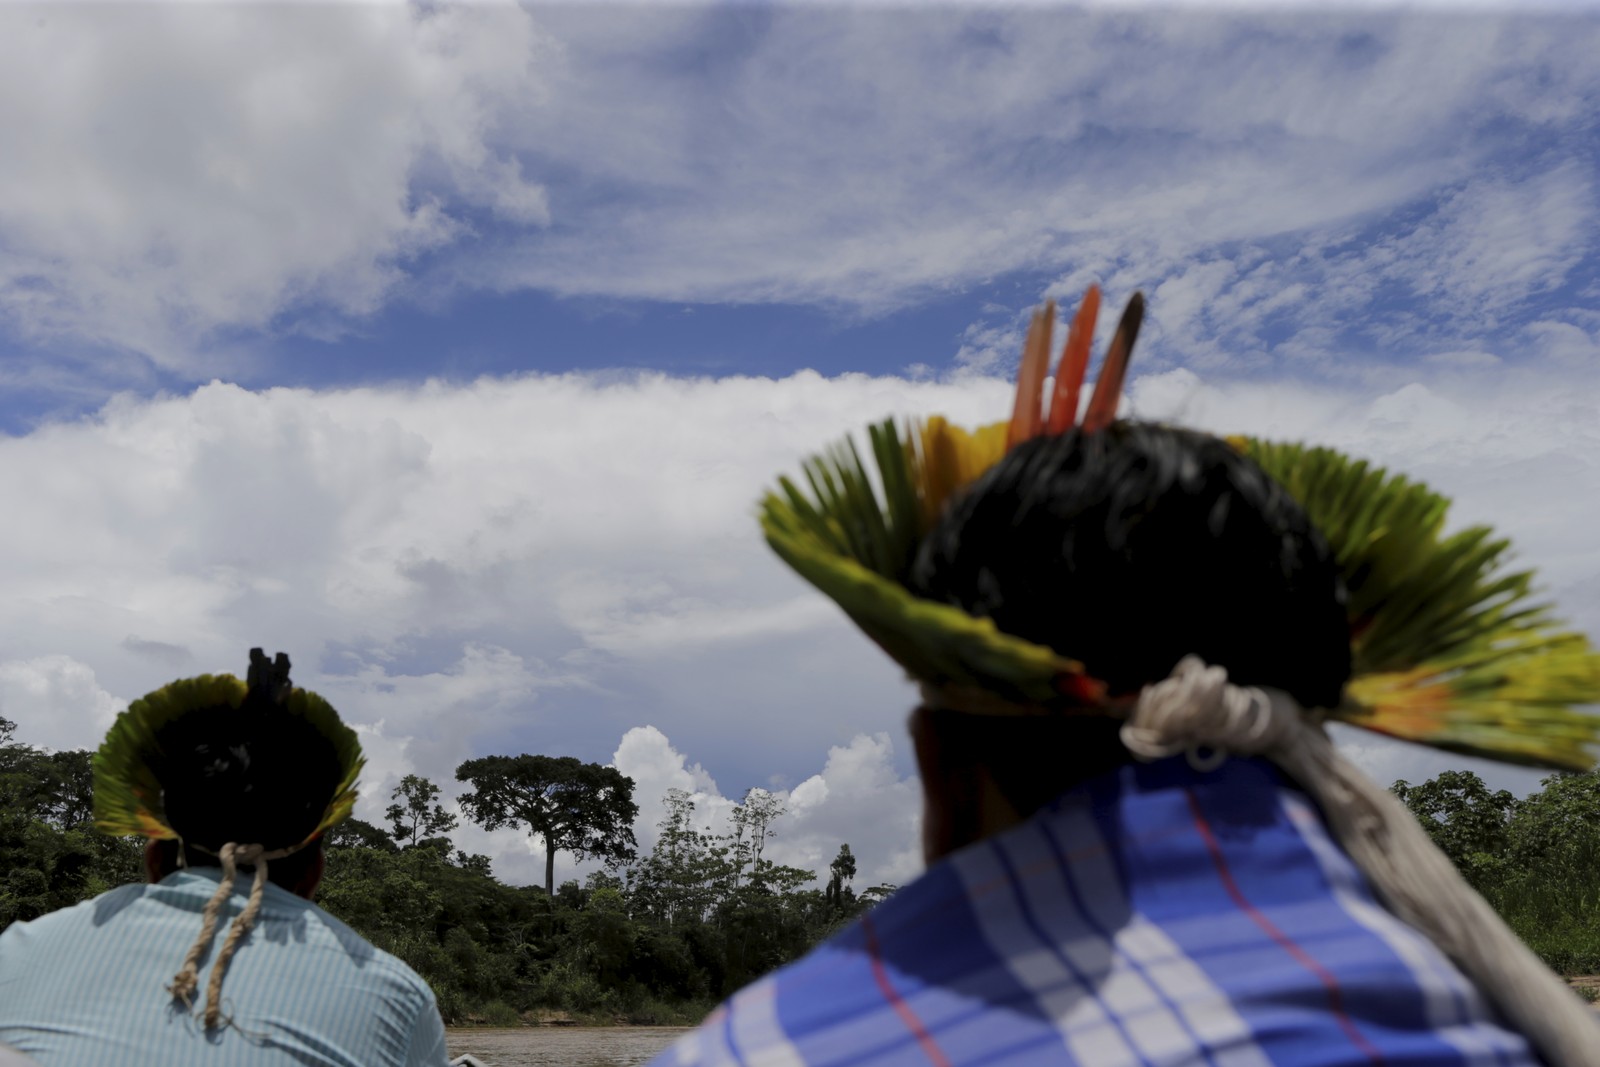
416	813
1536	860
585	809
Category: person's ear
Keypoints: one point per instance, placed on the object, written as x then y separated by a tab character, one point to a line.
155	862
955	789
930	772
962	800
307	885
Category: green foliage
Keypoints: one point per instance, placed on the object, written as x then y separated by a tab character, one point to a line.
1536	860
355	833
49	855
1467	821
1450	648
416	813
842	869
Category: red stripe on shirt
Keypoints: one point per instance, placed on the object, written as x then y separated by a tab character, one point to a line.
930	1049
1323	975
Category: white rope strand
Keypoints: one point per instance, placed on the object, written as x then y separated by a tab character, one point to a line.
1197	709
188	977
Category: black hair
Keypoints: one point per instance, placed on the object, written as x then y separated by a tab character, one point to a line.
256	774
1129	548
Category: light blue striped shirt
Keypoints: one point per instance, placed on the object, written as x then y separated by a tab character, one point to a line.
86	985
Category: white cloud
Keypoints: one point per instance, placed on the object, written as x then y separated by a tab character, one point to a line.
174	171
859	798
528	563
171	169
1484	258
1565	344
58	698
887	154
1497	241
551	563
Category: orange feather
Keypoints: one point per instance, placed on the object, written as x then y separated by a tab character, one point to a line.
1074	363
1108	390
1027	416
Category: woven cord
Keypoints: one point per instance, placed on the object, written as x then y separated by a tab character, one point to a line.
1196	709
188	976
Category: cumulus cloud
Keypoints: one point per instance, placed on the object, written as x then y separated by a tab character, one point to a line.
57	698
553	563
175	169
533	564
859	798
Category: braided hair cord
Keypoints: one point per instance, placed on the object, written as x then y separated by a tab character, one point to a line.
187	979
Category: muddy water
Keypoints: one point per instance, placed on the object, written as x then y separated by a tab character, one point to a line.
563	1046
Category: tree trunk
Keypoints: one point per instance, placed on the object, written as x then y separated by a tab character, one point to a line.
549	868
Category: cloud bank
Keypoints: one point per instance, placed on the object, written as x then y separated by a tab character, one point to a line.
570	565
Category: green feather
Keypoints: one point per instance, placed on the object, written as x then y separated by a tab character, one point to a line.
1449	647
127	795
856	547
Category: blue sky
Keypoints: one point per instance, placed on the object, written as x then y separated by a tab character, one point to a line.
449	347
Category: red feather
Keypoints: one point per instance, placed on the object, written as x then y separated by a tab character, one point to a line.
1074	363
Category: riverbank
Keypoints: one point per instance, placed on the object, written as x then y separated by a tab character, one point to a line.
648	1014
562	1046
1586	986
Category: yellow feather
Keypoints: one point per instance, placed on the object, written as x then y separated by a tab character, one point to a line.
951	458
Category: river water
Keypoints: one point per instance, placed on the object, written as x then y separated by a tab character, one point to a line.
563	1046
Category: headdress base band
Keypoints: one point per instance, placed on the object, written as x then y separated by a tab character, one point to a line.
975	700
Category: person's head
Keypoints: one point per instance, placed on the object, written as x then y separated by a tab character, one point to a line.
252	774
1126	550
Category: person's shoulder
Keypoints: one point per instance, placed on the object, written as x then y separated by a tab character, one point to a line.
95	912
372	960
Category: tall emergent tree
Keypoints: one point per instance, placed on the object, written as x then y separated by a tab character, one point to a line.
586	809
752	820
843	869
679	880
417	814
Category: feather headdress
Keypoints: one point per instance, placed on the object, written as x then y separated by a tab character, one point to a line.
129	791
1448	648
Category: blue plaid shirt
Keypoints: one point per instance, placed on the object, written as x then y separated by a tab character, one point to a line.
84	985
1155	917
